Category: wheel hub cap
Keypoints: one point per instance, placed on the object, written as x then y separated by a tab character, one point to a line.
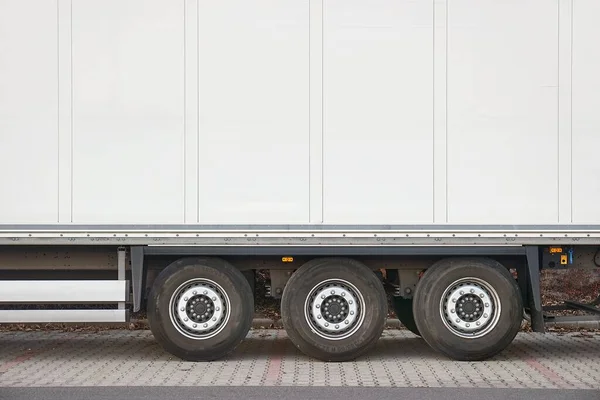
199	309
470	308
334	309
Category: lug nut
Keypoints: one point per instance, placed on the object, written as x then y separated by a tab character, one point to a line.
452	311
194	292
326	324
351	312
318	306
195	325
185	299
205	292
332	292
485	315
214	299
318	317
337	327
346	322
343	294
205	325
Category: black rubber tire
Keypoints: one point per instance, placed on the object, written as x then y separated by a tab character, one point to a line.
299	287
233	282
404	311
430	290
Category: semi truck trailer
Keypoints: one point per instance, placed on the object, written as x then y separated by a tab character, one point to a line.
155	154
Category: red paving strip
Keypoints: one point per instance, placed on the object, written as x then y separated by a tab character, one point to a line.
548	373
18	360
274	369
29	354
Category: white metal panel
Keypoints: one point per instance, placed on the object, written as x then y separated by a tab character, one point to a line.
128	111
586	111
28	111
62	316
440	87
254	111
565	122
191	111
378	111
316	111
63	291
65	102
502	111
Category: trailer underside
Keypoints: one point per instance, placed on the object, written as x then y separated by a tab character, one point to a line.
103	283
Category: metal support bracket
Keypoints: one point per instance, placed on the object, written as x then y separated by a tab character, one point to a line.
121	253
279	279
535	296
408	279
137	275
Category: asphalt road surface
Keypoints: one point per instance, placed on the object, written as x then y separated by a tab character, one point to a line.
291	393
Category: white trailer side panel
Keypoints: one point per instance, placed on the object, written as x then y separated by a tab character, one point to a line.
28	111
502	92
586	111
254	111
299	111
128	111
378	111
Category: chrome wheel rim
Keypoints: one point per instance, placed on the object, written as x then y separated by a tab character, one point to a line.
470	308
199	309
334	309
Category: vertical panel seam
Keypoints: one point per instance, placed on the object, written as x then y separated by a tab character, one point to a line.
309	115
572	10
446	117
71	105
198	111
322	155
58	107
433	131
558	166
184	112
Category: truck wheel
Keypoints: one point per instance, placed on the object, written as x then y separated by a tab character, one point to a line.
404	311
200	309
469	309
334	309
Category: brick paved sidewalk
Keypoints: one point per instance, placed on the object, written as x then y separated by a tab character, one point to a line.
268	358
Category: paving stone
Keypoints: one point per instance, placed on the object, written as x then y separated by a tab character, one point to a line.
268	358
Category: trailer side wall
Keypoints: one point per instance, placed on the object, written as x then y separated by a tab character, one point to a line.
299	112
